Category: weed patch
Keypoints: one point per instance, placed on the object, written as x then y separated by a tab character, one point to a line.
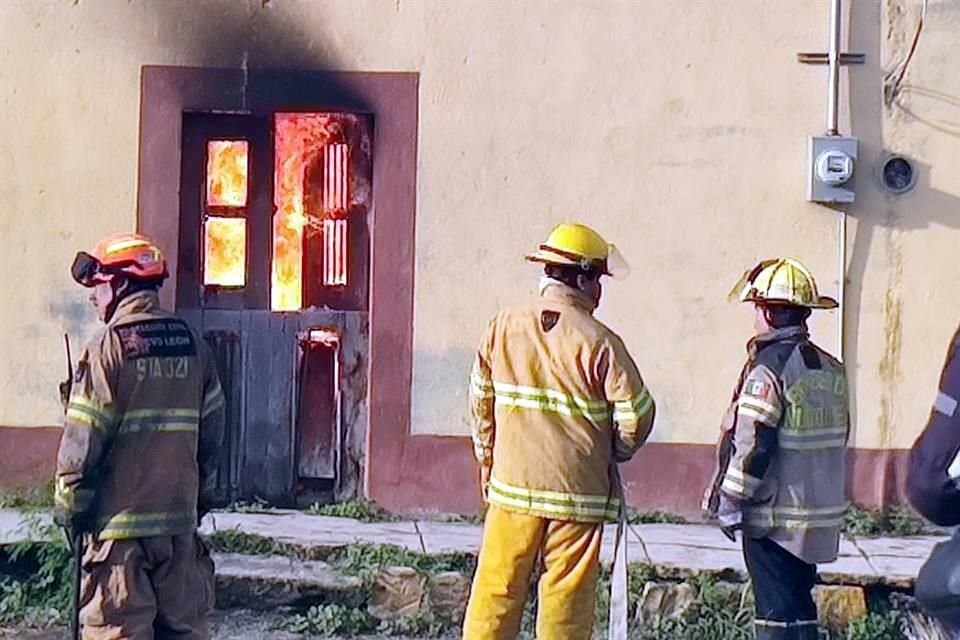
366	559
252	544
32	499
362	510
896	521
654	517
37	586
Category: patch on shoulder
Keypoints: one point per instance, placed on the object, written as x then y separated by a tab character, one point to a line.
758	389
548	320
160	338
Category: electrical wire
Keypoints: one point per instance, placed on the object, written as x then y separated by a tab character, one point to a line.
891	87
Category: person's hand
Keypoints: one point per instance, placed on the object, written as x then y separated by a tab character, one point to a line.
730	517
71	522
65	387
484	482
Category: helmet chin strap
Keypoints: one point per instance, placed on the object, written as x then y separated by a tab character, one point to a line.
120	291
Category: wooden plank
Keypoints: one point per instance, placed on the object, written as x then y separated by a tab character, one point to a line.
259	425
354	357
278	465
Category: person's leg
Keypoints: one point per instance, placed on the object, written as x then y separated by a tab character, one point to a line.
782	588
184	582
571	558
116	599
511	542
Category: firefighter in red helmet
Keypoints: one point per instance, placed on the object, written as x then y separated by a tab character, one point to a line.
136	463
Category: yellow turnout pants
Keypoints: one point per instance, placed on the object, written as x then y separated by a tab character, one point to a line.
511	544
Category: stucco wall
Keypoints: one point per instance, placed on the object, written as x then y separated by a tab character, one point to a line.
676	128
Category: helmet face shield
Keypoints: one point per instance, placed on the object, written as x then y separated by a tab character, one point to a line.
86	270
617	266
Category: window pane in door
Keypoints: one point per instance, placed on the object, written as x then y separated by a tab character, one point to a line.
227	162
224	252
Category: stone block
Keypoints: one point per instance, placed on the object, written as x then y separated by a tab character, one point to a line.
449	593
662	601
837	605
397	593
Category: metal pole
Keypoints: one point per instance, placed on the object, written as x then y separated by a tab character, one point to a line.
842	284
833	99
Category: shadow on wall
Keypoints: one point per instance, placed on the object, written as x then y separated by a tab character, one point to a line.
885	217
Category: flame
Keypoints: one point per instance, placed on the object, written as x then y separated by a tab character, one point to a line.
299	137
227	173
224	252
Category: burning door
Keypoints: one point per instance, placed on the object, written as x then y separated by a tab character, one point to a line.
274	247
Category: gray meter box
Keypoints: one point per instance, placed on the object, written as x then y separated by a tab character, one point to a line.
830	167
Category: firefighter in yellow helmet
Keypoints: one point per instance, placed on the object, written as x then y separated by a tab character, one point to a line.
780	477
556	402
135	469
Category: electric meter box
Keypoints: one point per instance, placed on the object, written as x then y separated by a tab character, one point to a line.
830	166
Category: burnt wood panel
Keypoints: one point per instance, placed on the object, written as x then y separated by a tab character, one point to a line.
317	414
260	424
228	355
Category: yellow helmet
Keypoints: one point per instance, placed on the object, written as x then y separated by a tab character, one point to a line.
575	244
781	281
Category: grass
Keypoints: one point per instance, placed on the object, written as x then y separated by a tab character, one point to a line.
366	559
654	517
37	582
257	505
28	499
896	521
362	510
251	544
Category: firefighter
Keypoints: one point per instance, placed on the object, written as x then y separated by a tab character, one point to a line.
933	475
556	402
781	474
135	468
933	488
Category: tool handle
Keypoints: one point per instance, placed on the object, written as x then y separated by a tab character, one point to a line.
77	566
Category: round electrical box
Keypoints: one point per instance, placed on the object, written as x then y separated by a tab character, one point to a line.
897	174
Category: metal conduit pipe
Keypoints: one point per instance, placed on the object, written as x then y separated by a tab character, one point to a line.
833	129
833	95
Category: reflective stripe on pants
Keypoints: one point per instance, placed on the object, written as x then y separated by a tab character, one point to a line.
511	544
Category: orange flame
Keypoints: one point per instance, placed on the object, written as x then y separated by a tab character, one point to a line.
224	252
227	173
299	137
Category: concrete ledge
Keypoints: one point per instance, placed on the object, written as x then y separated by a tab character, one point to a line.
266	582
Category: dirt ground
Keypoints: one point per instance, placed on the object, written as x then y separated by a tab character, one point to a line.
226	625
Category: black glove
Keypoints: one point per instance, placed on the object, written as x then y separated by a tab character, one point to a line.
730	515
72	522
65	388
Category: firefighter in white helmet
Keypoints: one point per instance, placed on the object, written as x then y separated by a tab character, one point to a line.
557	402
780	477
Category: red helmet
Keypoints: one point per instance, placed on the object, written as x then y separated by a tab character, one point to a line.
130	254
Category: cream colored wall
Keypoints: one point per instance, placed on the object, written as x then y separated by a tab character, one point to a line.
676	128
